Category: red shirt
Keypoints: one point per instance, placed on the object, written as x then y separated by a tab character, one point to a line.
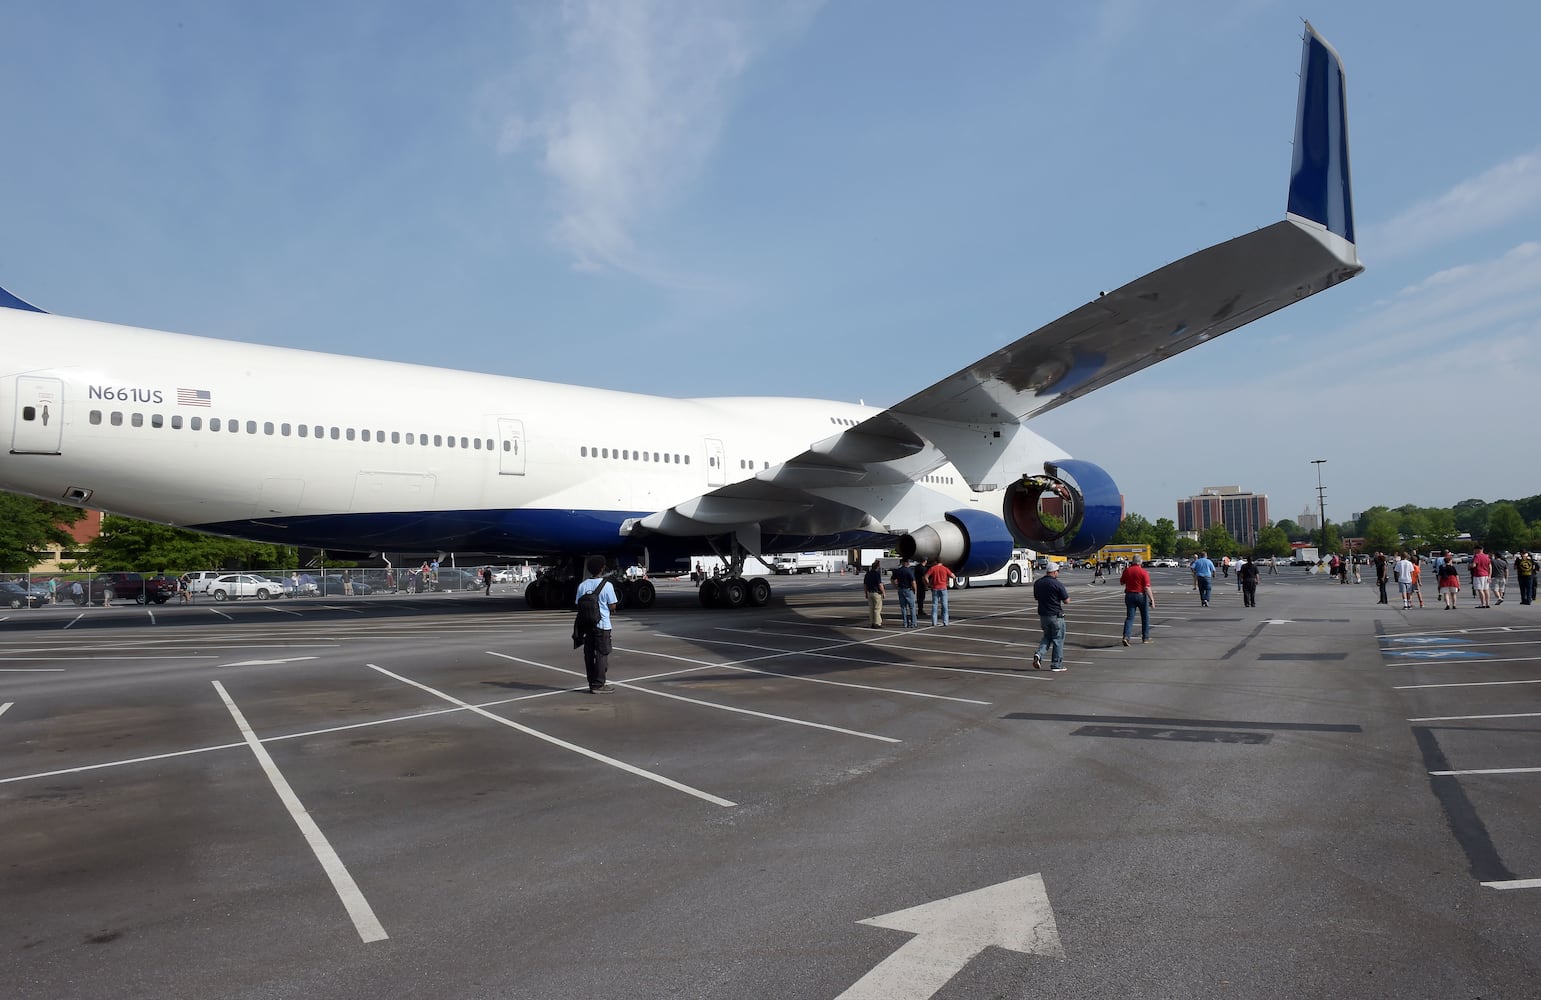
1481	565
938	575
1135	580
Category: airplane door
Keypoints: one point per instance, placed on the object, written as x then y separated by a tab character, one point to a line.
39	409
716	463
510	447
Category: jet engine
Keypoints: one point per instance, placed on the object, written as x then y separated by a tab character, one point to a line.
1071	508
969	542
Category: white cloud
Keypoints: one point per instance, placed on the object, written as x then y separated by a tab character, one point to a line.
1493	198
623	106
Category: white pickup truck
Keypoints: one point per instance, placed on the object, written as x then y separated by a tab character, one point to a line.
802	563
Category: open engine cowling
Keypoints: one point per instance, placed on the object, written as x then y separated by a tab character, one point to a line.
969	542
1072	508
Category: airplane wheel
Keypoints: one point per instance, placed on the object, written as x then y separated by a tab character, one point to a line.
759	592
735	593
711	592
1014	576
642	594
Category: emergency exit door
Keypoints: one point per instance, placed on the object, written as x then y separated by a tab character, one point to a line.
510	447
38	422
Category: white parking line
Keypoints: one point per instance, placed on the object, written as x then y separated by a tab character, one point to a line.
76	619
822	651
1489	770
6	706
353	900
1473	718
1460	684
1515	883
31	670
592	754
222	615
738	665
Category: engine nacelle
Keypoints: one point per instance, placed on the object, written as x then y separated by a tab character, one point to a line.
969	542
1071	508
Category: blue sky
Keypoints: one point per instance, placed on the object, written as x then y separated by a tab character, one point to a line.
843	200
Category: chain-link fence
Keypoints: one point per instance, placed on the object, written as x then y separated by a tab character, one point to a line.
23	590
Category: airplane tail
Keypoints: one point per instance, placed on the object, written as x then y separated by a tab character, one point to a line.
9	301
1319	181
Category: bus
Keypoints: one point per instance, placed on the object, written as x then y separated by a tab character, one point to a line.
1018	570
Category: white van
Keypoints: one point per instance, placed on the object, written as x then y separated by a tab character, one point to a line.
1018	570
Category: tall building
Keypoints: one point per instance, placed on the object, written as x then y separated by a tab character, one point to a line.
1242	514
1308	520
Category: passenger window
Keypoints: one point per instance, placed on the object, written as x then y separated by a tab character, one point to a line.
396	437
117	418
606	453
365	433
136	419
451	441
96	416
29	413
319	432
508	445
464	442
410	438
438	440
304	430
350	433
267	427
233	426
156	420
196	423
176	421
336	433
283	429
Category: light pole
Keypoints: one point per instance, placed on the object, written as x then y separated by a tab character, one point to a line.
1321	506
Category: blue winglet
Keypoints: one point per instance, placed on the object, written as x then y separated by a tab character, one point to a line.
1319	184
10	301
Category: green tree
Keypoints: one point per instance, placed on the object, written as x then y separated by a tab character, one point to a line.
1134	530
1217	541
1272	541
129	544
1380	534
1186	547
1471	517
29	528
1291	530
1328	540
1440	529
1506	529
1165	542
1413	526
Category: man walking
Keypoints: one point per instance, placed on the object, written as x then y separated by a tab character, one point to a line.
1525	575
1500	577
1248	575
1204	576
939	578
1481	576
904	586
1052	598
1137	597
1380	575
872	587
1404	574
596	641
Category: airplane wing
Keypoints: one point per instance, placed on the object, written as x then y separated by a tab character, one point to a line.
974	418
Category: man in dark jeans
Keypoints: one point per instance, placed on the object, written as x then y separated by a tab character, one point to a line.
596	643
1052	598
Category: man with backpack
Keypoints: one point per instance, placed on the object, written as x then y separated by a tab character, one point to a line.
591	627
1525	574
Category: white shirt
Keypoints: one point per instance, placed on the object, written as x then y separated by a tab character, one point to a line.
1404	570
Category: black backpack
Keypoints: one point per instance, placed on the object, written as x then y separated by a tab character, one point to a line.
588	610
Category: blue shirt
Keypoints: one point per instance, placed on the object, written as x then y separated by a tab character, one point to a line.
606	598
1203	567
904	578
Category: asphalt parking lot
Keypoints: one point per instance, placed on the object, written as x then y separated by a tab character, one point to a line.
417	797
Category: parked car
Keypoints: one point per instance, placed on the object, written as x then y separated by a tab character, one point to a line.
334	585
458	579
234	586
502	576
108	587
198	583
14	596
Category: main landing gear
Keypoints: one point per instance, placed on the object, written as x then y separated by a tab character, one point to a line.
732	591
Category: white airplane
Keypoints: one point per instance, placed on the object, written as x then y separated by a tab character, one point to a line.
254	442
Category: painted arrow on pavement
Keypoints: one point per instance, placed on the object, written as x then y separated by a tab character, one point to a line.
949	932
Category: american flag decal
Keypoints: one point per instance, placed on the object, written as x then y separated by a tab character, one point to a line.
194	397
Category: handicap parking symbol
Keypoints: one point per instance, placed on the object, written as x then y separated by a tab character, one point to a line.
1436	654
